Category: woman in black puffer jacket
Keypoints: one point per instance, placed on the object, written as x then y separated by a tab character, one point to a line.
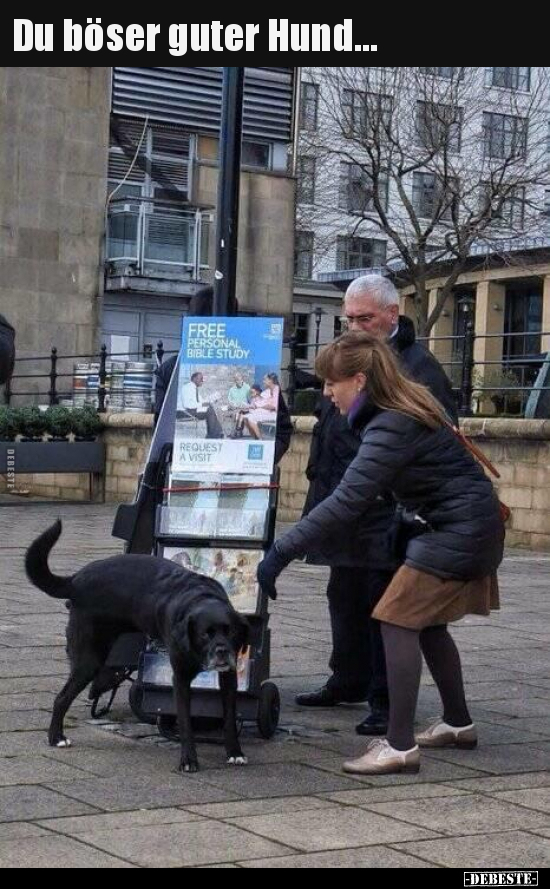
409	449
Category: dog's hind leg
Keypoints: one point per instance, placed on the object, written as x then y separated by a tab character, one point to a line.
228	687
78	680
87	653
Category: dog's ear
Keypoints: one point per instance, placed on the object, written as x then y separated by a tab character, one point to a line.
243	633
183	634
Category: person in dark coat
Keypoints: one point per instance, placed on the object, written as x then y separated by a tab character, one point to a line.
409	449
361	565
201	306
7	350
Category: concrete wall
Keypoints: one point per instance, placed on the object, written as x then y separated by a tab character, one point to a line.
265	269
54	130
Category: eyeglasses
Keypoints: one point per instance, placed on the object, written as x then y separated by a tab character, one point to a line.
346	320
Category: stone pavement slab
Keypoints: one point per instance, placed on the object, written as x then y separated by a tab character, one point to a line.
115	799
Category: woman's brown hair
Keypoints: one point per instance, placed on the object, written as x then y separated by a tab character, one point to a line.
387	386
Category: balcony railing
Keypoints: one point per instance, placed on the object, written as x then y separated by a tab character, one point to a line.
150	237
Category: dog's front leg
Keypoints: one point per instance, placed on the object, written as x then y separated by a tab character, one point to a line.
182	691
228	688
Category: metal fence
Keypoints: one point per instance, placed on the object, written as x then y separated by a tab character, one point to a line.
473	381
146	234
507	381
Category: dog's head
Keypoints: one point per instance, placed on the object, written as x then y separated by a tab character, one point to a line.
213	633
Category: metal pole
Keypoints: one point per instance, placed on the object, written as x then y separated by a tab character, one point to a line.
228	192
465	409
53	378
292	368
102	391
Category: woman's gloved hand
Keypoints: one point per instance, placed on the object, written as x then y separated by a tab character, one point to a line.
269	570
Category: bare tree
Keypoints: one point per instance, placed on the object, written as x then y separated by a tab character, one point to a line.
431	160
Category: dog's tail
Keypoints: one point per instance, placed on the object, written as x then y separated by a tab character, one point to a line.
36	564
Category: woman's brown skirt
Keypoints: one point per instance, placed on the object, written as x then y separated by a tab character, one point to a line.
416	600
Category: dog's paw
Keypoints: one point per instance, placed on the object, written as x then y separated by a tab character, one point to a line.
237	761
62	744
188	768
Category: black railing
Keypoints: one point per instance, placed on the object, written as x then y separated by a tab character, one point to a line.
51	373
471	379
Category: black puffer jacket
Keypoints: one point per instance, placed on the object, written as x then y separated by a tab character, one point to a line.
334	446
423	367
427	471
7	350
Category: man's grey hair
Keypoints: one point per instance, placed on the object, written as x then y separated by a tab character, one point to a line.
377	286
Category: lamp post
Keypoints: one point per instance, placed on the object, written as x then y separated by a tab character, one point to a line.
466	308
227	225
319	312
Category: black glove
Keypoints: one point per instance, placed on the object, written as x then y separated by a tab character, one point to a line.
269	570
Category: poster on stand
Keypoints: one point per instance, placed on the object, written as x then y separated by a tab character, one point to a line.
228	396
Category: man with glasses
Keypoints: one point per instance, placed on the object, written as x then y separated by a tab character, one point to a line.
361	563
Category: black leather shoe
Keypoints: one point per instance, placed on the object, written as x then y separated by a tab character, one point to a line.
324	697
375	724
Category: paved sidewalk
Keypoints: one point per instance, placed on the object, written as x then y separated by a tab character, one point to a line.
115	800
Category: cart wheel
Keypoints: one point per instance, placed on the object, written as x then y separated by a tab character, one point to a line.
269	710
168	728
135	699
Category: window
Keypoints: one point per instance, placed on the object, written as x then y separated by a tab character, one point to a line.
256	154
547	203
309	106
509	210
338	326
357	189
447	73
524	319
161	166
306	180
170	151
303	257
366	114
504	136
123	222
511	78
439	126
301	332
428	199
360	253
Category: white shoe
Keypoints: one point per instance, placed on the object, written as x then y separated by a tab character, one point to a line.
440	734
382	759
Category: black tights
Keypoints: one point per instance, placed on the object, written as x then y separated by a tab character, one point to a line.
404	650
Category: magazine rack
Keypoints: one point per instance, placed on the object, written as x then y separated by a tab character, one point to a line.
258	699
217	524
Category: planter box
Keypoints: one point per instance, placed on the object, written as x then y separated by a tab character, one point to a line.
52	456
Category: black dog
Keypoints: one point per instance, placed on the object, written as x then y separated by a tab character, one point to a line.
189	613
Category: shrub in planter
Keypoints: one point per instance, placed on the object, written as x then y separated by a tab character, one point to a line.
33	423
305	402
59	422
86	424
10	423
501	389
